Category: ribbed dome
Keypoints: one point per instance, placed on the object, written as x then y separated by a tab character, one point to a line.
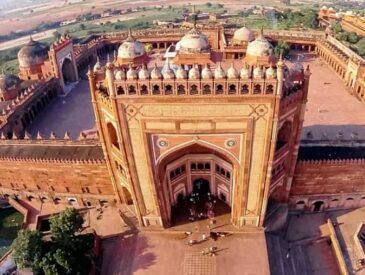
155	73
131	73
168	72
98	66
33	53
193	42
119	74
143	73
8	82
194	73
257	72
243	35
131	48
180	73
207	73
232	73
219	72
259	47
270	73
245	72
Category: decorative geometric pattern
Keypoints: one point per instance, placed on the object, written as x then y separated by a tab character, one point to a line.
258	111
132	111
230	143
197	264
162	143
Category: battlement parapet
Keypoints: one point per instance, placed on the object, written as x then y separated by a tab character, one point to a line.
51	150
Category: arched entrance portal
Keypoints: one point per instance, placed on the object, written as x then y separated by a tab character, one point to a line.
68	71
201	187
198	183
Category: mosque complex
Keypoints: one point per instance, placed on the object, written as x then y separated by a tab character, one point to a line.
209	116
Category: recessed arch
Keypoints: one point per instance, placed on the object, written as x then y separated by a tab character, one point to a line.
203	144
113	137
68	71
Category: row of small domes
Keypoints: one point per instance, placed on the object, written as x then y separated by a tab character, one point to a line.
193	73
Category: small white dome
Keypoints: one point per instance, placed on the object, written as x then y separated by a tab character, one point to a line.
324	8
131	48
194	42
168	72
180	73
207	73
143	73
119	74
194	73
155	73
270	73
260	47
232	73
131	73
244	35
219	72
98	67
257	72
245	73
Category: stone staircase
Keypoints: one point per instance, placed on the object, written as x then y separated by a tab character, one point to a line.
286	259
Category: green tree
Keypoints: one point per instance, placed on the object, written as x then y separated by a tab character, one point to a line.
282	47
352	37
65	225
360	47
336	27
208	4
27	249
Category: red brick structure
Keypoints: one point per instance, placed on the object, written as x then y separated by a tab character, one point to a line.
165	132
55	170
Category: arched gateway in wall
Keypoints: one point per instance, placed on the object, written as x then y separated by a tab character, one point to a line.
196	171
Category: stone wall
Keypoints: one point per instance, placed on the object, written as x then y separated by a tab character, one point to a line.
336	183
54	179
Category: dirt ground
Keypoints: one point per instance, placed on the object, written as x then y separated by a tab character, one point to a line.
55	10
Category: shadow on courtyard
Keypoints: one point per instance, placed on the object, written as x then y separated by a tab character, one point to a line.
127	253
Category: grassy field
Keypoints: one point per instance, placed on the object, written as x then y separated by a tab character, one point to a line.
10	222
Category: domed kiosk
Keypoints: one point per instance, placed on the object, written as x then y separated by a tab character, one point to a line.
31	57
243	36
193	48
9	87
260	52
131	51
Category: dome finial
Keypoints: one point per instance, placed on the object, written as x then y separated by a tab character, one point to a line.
262	31
194	16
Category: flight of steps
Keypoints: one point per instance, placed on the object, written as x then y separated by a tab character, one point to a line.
296	264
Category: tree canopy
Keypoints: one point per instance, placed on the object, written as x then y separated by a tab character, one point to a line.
68	252
27	249
282	47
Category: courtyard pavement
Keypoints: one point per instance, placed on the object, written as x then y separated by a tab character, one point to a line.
150	253
330	108
73	113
